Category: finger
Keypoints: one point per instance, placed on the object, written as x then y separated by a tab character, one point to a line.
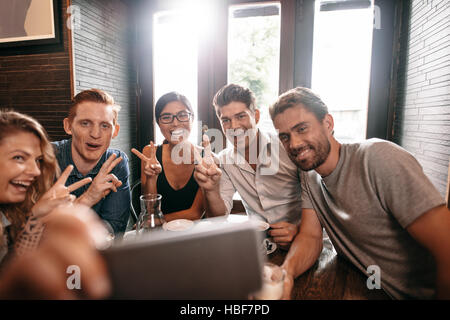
199	177
152	150
150	172
112	178
61	201
282	240
208	153
281	232
140	155
113	187
201	169
114	163
197	157
281	224
206	143
113	181
106	192
79	184
216	177
105	167
214	171
63	177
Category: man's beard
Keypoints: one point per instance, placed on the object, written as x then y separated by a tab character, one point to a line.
321	151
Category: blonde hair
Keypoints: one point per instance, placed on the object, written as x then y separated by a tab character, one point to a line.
17	213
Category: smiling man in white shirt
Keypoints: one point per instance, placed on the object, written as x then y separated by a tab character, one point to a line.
256	167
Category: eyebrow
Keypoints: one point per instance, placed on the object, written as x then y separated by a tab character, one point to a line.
21	151
237	114
168	113
298	125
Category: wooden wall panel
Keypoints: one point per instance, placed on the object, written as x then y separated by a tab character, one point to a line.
39	84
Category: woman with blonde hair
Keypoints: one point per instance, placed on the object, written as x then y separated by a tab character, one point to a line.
28	191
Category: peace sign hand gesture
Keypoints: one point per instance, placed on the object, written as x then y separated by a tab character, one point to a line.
58	194
207	173
103	183
150	165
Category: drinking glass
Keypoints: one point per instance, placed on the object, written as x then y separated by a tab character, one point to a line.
273	282
151	216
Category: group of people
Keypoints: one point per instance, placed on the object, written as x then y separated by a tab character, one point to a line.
372	198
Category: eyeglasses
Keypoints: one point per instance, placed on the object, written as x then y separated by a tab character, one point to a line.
182	116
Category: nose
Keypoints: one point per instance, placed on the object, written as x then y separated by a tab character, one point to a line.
95	132
175	121
234	124
296	141
33	169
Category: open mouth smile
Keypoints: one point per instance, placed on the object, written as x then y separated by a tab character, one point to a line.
21	185
93	146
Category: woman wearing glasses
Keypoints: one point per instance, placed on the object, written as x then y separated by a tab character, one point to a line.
165	174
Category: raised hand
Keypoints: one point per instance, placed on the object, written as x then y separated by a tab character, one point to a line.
103	183
58	194
207	173
150	165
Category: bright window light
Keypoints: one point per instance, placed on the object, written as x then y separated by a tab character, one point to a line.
341	67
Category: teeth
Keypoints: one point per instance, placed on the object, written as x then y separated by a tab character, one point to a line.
22	183
303	153
235	133
177	134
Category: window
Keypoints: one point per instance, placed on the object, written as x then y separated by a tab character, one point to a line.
254	53
199	47
341	65
175	40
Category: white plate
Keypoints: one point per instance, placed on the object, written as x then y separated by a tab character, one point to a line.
178	225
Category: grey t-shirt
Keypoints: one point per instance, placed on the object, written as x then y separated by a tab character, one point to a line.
375	192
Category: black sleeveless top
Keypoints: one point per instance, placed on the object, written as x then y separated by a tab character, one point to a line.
174	200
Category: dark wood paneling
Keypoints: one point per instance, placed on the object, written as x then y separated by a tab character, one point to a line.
39	84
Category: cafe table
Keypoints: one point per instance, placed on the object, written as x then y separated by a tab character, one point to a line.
330	278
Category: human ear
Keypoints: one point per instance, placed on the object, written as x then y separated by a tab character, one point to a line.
328	122
67	126
116	130
257	115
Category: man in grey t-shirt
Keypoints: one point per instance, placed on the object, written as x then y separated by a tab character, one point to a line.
373	199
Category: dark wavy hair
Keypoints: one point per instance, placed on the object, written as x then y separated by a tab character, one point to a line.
234	93
296	96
